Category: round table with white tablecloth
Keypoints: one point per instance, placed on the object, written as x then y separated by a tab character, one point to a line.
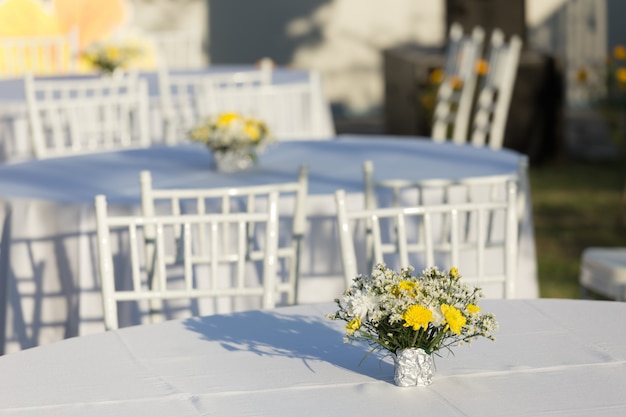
47	219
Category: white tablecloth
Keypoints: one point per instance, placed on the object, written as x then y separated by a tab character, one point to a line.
47	219
551	358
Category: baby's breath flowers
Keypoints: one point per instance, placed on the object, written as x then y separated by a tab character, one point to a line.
231	132
397	310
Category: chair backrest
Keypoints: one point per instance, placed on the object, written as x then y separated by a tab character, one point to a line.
178	49
86	115
41	55
480	238
292	224
496	91
466	188
185	99
207	269
292	111
455	96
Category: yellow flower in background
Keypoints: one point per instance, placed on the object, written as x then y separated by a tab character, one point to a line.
112	53
232	131
436	76
417	317
95	20
456	82
482	67
226	118
454	318
582	75
251	129
619	52
620	75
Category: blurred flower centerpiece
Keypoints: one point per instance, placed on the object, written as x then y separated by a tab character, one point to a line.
413	317
107	57
235	140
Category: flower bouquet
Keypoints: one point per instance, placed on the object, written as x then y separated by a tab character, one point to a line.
413	317
107	57
234	139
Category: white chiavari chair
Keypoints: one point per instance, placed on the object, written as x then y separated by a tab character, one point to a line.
41	55
178	49
484	251
86	115
455	96
187	98
409	191
292	217
496	91
202	255
293	111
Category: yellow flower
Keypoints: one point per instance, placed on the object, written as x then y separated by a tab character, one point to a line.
436	76
417	317
428	101
454	318
473	309
112	53
620	74
252	129
226	118
581	75
456	82
482	67
353	325
454	273
619	52
406	286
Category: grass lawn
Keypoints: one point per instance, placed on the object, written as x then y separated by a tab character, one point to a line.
575	205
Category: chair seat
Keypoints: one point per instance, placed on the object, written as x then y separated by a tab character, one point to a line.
603	270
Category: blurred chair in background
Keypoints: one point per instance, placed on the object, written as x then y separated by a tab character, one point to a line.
458	106
185	99
603	271
178	49
86	115
40	55
455	96
495	91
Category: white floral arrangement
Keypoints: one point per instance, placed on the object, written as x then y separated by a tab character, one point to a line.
232	132
397	310
109	56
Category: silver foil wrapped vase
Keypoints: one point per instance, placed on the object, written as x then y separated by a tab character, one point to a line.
233	160
413	367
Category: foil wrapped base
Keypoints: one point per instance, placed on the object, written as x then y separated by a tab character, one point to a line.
413	367
232	161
